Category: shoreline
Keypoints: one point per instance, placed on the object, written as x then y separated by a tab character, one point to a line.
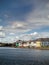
42	48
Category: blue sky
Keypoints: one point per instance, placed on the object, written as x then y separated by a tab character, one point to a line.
21	18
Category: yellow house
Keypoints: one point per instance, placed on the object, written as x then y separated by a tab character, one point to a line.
38	43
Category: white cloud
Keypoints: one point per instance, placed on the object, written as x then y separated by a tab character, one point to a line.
16	24
37	18
34	20
9	39
44	34
0	40
2	34
12	33
17	37
19	25
48	16
25	37
34	35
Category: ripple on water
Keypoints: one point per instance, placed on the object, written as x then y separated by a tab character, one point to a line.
23	57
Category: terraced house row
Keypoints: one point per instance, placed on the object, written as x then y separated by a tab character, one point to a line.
41	42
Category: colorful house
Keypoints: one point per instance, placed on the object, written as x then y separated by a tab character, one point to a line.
42	42
33	44
38	44
17	44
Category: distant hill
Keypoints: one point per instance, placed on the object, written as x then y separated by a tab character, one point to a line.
42	39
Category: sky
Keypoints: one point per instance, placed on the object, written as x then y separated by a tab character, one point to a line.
23	19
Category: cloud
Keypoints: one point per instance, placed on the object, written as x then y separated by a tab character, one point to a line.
36	18
12	33
40	16
44	34
34	35
16	24
33	18
9	39
2	34
1	27
30	36
16	27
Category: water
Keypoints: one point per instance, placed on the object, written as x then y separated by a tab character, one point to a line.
18	56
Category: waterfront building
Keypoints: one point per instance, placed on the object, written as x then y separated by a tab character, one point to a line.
19	43
38	44
33	44
42	42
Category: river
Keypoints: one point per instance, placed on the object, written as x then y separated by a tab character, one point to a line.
20	56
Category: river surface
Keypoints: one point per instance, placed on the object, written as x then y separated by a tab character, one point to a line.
19	56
